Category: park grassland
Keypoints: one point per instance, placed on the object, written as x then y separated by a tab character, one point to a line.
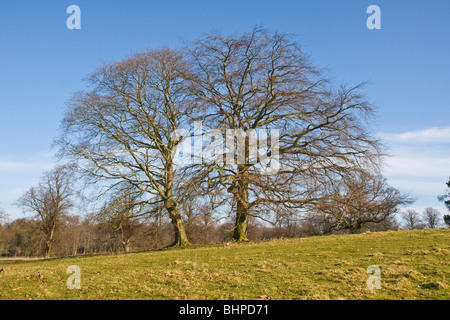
414	265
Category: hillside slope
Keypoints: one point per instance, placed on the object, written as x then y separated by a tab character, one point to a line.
414	265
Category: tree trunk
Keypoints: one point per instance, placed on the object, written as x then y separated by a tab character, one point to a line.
48	248
49	243
181	238
240	228
241	224
126	245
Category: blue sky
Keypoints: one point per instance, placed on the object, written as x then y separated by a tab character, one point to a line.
406	62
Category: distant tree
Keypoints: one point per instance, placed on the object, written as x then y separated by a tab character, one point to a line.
49	201
3	215
431	217
317	223
359	199
390	223
120	215
3	236
200	221
412	219
23	237
67	236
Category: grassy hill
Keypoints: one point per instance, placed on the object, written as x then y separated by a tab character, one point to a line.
414	265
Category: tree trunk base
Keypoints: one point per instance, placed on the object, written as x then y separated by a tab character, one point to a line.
181	239
239	238
179	244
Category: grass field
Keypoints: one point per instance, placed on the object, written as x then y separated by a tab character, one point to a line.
414	265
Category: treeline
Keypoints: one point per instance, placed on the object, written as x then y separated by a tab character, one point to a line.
75	235
101	234
25	237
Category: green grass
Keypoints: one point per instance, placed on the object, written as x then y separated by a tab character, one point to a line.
414	265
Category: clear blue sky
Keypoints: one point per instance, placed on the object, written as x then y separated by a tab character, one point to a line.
407	62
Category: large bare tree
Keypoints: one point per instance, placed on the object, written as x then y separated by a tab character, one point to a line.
49	201
119	130
261	83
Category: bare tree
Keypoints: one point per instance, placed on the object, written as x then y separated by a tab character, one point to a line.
359	199
261	82
411	219
4	236
201	221
120	130
119	214
3	215
22	237
49	201
431	217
